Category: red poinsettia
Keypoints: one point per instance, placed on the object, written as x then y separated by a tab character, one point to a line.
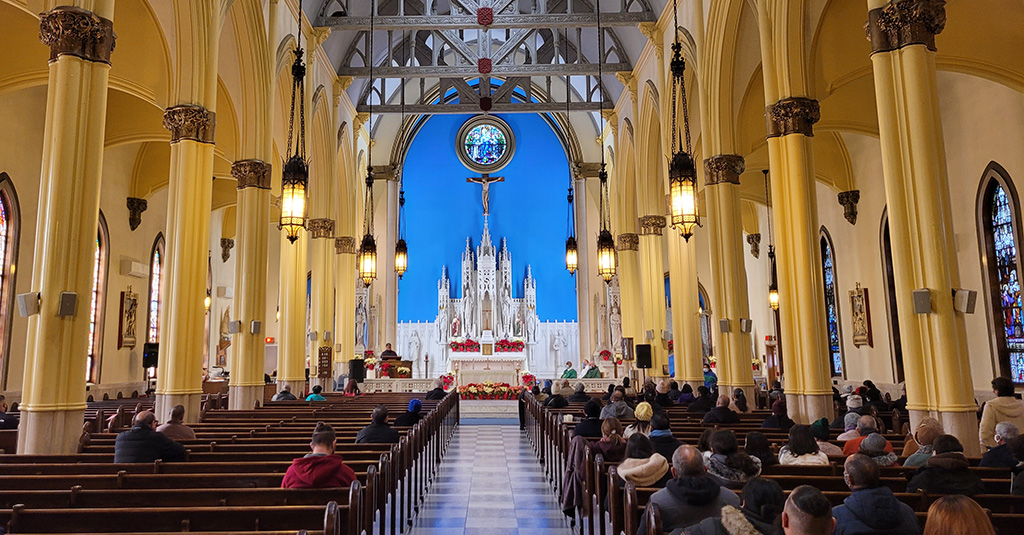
605	354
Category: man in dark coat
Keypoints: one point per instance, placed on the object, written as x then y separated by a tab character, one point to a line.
946	471
438	391
722	414
704	401
1001	456
578	395
691	496
871	509
378	432
661	436
590	427
142	444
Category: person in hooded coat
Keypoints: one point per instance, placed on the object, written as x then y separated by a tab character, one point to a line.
947	472
763	501
1004	408
721	413
871	508
727	464
322	468
686	395
691	496
642	465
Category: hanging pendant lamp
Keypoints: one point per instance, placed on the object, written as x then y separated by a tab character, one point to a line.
606	259
295	173
682	171
572	254
773	284
367	258
401	248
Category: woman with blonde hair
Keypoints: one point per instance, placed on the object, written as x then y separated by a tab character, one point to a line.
957	515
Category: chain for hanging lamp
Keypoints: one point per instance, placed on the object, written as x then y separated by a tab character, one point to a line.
295	173
401	248
606	259
773	284
682	171
367	257
572	254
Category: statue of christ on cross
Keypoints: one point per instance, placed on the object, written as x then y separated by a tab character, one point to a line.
485	180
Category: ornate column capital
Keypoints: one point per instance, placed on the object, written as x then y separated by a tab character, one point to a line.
905	22
628	242
320	228
755	244
652	225
848	200
629	81
135	208
77	32
189	121
345	245
794	115
723	168
358	121
251	174
226	245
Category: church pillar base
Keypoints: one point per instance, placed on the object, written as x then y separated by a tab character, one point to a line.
806	408
50	432
964	426
165	402
244	397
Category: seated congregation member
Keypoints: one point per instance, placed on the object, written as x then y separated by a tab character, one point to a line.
721	413
651	398
901	403
617	408
686	395
1001	456
763	501
556	401
756	445
739	400
352	389
820	432
855	404
564	389
704	441
776	393
590	426
1017	483
947	472
849	427
690	496
801	449
569	372
873	397
807	512
643	466
1004	408
7	421
673	391
578	395
865	426
284	395
727	464
871	508
412	416
142	444
661	436
918	451
780	417
438	391
612	446
378	432
704	402
608	395
957	515
545	392
642	413
662	394
873	446
322	468
315	395
175	429
628	390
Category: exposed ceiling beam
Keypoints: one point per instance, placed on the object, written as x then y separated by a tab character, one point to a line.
469	22
471	71
497	107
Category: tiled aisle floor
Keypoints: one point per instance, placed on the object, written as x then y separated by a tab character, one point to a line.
490	483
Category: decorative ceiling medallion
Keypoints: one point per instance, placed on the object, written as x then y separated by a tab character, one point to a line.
485	144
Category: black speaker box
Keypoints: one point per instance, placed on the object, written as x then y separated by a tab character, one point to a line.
357	370
643	356
150	354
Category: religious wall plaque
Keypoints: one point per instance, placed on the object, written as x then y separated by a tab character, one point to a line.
323	362
861	317
126	324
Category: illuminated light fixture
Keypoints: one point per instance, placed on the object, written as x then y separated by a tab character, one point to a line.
773	284
295	173
208	301
682	171
572	256
572	253
366	260
401	248
605	242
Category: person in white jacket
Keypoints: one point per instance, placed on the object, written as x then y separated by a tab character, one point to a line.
802	448
642	465
1004	408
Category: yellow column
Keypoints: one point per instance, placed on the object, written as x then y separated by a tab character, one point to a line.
920	219
321	233
628	246
725	234
652	280
248	350
291	359
53	395
345	298
688	352
191	123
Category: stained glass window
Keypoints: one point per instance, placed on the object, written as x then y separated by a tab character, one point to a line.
1005	265
155	274
485	144
99	274
828	272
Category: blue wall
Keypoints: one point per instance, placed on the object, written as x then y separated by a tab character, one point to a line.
528	210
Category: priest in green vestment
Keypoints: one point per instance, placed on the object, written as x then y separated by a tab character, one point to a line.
569	372
590	370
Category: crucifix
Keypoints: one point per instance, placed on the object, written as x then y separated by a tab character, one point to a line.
486	180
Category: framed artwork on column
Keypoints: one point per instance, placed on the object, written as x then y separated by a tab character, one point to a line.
861	317
126	324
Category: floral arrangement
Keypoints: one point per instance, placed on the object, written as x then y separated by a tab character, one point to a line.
369	362
490	390
605	354
529	379
469	346
618	361
447	380
671	345
403	372
508	346
386	369
368	353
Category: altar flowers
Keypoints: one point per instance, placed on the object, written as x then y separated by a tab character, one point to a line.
489	390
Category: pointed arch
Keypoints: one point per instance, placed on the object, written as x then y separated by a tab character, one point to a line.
837	363
97	301
10	234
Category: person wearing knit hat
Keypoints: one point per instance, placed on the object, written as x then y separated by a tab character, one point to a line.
820	431
910	447
849	427
924	437
779	418
412	416
642	413
854	402
873	446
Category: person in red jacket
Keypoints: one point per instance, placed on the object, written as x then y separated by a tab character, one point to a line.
322	468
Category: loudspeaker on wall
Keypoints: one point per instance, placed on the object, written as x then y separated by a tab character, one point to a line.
643	356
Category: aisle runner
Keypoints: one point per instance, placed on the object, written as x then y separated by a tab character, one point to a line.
490	483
